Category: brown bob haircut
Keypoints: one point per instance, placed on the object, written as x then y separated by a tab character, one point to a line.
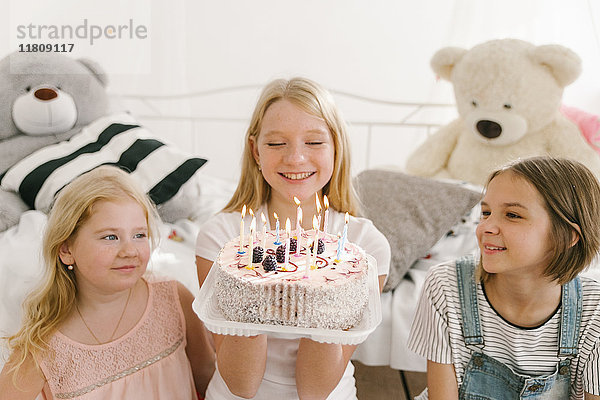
571	195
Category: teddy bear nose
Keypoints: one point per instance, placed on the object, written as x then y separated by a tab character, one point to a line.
489	129
45	94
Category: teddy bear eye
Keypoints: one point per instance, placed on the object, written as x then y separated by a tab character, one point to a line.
474	103
507	106
28	88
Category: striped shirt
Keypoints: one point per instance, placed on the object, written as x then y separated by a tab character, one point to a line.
436	334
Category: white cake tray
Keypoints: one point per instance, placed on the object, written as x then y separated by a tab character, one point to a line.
205	306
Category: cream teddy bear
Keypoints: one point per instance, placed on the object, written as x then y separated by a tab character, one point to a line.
508	94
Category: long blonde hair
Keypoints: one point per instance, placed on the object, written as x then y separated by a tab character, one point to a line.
47	307
253	190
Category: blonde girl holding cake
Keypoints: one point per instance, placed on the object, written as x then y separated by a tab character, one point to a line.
96	328
519	322
296	146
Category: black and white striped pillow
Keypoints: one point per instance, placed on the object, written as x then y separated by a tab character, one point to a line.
161	169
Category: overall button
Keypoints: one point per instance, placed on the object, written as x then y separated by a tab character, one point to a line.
534	387
478	361
564	370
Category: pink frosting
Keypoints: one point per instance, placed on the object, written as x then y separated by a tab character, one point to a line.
329	272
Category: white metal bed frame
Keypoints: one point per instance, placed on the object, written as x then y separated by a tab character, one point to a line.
416	116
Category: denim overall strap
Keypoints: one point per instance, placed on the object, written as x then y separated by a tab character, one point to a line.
467	292
570	320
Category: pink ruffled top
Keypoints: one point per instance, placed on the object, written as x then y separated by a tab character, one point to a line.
149	362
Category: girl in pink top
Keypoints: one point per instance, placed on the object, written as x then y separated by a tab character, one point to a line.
96	329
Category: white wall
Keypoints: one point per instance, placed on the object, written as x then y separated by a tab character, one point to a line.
379	48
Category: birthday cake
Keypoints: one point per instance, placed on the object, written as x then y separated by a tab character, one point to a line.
326	290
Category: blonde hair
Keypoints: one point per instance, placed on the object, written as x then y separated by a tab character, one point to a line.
253	190
46	308
571	195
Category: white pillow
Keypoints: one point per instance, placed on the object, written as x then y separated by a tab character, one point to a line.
159	168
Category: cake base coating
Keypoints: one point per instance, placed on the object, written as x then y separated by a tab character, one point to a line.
332	296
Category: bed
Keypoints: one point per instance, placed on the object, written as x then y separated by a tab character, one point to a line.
211	124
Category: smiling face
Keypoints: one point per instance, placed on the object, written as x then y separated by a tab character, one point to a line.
515	228
295	151
111	249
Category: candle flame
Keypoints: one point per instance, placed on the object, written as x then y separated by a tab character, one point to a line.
251	212
253	224
346	218
287	226
263	218
296	201
318	202
244	211
315	222
275	215
326	202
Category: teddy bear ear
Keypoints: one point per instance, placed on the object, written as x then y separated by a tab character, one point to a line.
563	63
444	60
96	69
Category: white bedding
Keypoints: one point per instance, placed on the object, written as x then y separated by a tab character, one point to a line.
20	269
387	344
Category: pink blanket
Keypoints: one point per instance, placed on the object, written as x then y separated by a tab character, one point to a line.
588	124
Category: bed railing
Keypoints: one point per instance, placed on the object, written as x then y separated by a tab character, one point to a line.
212	123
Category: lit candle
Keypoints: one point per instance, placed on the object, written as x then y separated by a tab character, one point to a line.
241	250
326	204
251	243
313	264
298	217
277	242
287	244
318	203
264	231
297	254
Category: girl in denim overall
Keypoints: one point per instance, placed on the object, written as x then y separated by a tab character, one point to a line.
538	231
488	378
